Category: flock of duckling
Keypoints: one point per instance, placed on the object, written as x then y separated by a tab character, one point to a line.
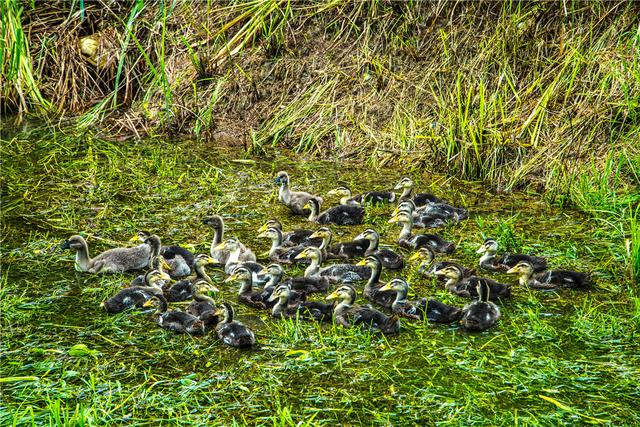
175	274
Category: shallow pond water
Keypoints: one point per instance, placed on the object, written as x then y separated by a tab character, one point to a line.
554	358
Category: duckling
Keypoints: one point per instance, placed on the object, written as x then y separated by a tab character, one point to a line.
428	268
231	332
420	199
372	288
481	314
371	197
554	279
408	240
294	200
335	272
434	310
136	295
203	305
234	248
347	314
245	294
292	238
338	215
157	263
466	287
344	250
275	273
389	258
179	259
118	260
490	261
309	310
181	290
433	215
175	320
278	253
222	255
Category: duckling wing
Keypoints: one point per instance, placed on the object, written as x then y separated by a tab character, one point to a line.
440	312
374	319
342	215
435	242
422	199
180	291
170	252
300	237
468	288
508	261
314	284
390	259
235	334
345	273
376	197
315	310
120	260
348	250
565	278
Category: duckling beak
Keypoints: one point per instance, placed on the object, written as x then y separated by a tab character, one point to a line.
66	245
262	233
332	193
361	263
513	270
393	219
230	278
301	255
165	264
439	273
415	257
386	287
148	303
334	295
165	276
262	229
273	297
398	186
135	239
306	206
315	235
212	288
222	246
482	249
211	261
263	272
277	180
360	236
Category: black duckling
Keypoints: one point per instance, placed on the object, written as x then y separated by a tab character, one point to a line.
222	255
338	215
203	306
295	200
428	268
420	199
277	252
335	272
415	241
245	294
179	259
117	260
292	238
389	258
157	263
371	197
481	314
553	279
284	307
372	288
433	215
275	274
467	287
176	320
181	290
491	261
232	332
136	296
234	248
344	250
347	314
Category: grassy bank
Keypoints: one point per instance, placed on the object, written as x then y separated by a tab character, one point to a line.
517	94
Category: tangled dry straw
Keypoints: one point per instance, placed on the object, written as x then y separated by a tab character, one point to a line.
513	93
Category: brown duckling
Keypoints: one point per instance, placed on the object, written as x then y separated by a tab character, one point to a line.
117	260
420	199
344	250
482	313
433	310
347	314
179	259
222	255
371	197
181	290
372	288
408	240
176	320
275	273
467	287
157	263
292	238
428	268
232	332
390	259
284	307
296	201
554	279
246	295
136	296
277	252
338	215
335	272
491	261
203	305
234	248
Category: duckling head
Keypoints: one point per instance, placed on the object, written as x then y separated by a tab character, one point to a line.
214	221
369	234
228	245
488	246
271	223
272	270
406	205
281	292
156	278
203	260
425	255
225	312
401	217
272	233
405	182
240	274
342	191
309	252
346	293
450	272
321	233
282	178
313	205
202	287
74	242
397	285
370	261
523	268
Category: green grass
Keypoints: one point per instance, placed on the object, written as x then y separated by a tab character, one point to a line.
554	358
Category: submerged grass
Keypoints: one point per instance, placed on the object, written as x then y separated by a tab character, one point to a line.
554	358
